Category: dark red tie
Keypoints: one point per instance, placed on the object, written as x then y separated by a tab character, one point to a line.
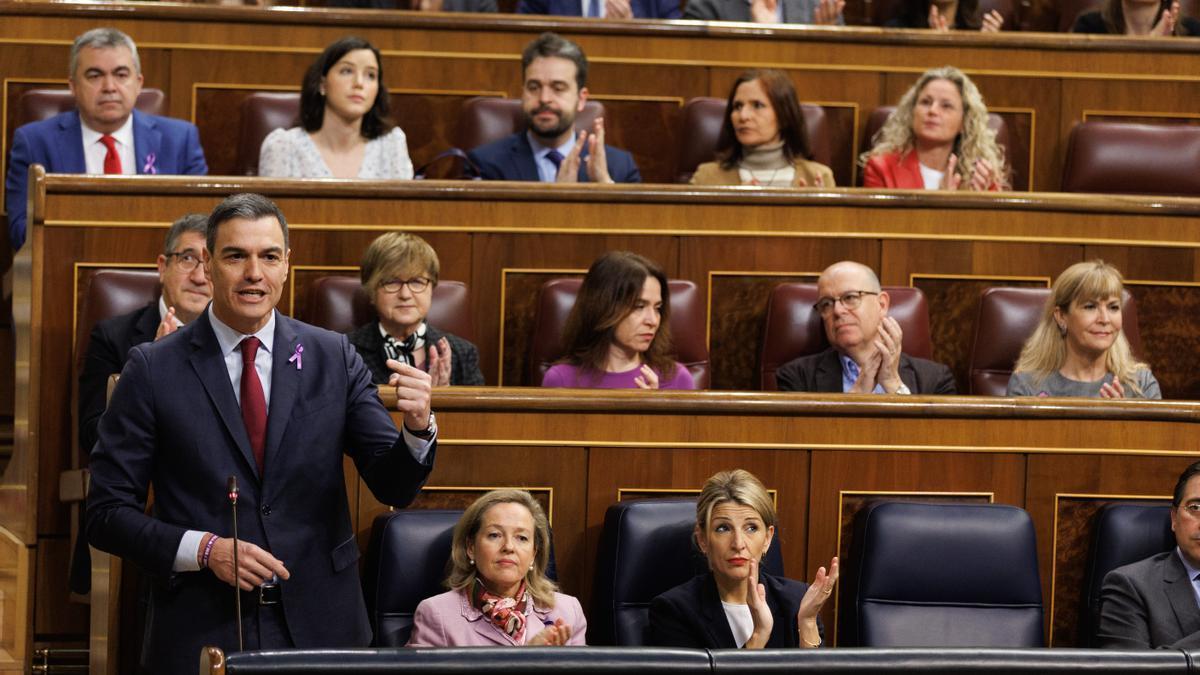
112	161
254	404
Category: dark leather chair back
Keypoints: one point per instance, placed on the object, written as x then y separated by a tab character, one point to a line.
794	329
486	119
406	563
112	292
646	549
942	575
1122	533
702	120
262	113
1144	159
1007	317
339	303
40	104
557	297
879	116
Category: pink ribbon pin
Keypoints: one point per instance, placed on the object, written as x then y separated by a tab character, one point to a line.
297	357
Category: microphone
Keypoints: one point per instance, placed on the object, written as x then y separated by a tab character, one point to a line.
232	489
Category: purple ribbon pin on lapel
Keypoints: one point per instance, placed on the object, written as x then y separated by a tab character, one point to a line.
297	357
149	168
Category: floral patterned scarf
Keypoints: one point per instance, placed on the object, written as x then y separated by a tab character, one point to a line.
506	614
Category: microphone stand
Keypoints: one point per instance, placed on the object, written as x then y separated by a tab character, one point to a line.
237	588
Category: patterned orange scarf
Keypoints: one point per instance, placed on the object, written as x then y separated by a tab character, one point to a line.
506	614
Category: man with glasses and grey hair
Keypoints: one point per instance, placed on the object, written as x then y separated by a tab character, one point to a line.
186	291
103	134
866	354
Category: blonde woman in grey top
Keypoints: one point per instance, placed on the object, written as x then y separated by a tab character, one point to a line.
1078	348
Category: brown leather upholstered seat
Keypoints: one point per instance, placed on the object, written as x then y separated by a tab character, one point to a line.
262	113
701	129
793	328
40	104
557	297
339	303
879	115
1147	159
1007	317
485	119
1069	10
109	293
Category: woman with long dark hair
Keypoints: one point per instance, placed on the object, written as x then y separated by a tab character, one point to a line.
617	335
344	130
763	139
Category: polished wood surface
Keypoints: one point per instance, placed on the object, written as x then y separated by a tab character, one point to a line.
582	450
208	58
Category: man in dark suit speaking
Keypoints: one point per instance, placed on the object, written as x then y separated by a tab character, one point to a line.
1155	602
866	353
554	91
245	391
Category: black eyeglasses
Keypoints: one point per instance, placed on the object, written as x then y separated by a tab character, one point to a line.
416	285
185	261
850	300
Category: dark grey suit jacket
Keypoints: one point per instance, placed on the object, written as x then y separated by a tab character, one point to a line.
1149	604
464	362
823	373
794	11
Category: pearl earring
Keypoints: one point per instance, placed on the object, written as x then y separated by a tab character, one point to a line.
472	561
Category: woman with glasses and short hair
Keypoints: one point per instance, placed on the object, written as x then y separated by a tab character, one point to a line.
399	271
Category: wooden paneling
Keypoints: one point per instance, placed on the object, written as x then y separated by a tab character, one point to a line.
1170	339
727	241
1054	77
1054	477
737	318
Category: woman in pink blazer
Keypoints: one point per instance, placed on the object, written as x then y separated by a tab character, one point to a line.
938	139
499	593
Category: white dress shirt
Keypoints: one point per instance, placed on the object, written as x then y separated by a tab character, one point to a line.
94	151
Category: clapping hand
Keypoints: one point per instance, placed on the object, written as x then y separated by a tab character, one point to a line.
1112	389
555	635
763	11
889	341
597	159
439	363
648	378
760	612
819	591
167	325
1166	22
827	12
993	21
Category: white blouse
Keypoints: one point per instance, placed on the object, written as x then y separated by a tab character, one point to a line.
291	153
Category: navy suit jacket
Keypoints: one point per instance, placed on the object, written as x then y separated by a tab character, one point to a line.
174	422
57	144
511	158
642	9
691	615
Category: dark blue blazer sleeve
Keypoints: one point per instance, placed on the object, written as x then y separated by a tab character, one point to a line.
15	185
621	167
487	160
532	7
122	465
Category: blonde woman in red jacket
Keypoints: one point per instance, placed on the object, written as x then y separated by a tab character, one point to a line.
937	139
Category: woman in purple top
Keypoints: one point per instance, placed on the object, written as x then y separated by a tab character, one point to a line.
617	336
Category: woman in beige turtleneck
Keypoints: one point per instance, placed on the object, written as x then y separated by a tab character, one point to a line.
763	141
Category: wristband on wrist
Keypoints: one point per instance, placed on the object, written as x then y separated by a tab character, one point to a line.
212	539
